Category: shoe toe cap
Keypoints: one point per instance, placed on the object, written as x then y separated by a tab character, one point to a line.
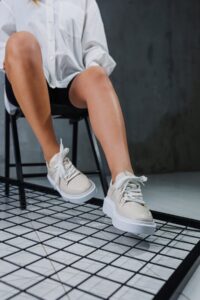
136	211
79	184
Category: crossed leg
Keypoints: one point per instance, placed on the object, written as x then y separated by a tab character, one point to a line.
91	89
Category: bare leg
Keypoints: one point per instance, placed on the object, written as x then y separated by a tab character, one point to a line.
93	89
23	66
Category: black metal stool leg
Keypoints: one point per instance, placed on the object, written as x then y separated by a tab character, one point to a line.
97	156
74	141
7	151
18	162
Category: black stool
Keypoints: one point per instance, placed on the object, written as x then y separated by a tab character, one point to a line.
58	111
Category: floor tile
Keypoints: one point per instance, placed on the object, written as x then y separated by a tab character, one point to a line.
24	296
129	263
22	258
58	242
79	295
140	254
166	261
45	267
103	256
6	267
48	289
6	249
80	249
20	242
100	287
71	276
151	285
22	278
64	257
157	271
89	265
6	291
116	274
127	293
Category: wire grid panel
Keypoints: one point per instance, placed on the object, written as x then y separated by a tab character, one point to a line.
58	250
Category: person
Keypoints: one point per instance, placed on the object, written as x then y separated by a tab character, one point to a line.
58	51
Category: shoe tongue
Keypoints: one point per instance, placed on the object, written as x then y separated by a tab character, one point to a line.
122	177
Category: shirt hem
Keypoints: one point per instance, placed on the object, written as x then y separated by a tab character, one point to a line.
61	83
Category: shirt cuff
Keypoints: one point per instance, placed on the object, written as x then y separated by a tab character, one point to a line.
93	63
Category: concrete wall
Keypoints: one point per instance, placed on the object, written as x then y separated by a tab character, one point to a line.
156	45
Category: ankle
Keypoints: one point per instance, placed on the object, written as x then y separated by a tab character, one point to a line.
48	155
114	174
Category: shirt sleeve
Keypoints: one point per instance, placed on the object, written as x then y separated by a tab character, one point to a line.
94	41
7	27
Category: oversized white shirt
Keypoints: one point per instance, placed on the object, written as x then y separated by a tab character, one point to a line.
71	35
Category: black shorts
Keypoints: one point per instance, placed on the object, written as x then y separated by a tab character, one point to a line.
56	95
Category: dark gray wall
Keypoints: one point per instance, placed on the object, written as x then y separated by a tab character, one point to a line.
157	47
156	44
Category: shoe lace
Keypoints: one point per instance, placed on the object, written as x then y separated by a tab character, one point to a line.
65	168
131	190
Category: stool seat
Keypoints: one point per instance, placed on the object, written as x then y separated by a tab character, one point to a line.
62	111
68	112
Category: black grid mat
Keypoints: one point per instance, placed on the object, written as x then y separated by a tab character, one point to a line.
58	250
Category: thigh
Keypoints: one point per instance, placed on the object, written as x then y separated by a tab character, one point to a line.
11	96
56	95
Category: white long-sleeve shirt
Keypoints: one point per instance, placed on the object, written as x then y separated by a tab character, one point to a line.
71	35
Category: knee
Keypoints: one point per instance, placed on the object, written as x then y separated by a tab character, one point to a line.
21	45
97	75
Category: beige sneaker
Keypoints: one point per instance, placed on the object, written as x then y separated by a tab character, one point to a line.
125	205
72	184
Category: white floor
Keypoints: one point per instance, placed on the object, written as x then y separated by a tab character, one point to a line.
174	193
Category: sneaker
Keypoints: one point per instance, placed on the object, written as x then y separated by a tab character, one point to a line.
124	204
72	184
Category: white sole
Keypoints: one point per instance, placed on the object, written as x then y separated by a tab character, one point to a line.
125	224
76	199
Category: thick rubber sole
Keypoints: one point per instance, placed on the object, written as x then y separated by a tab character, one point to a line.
122	223
76	199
